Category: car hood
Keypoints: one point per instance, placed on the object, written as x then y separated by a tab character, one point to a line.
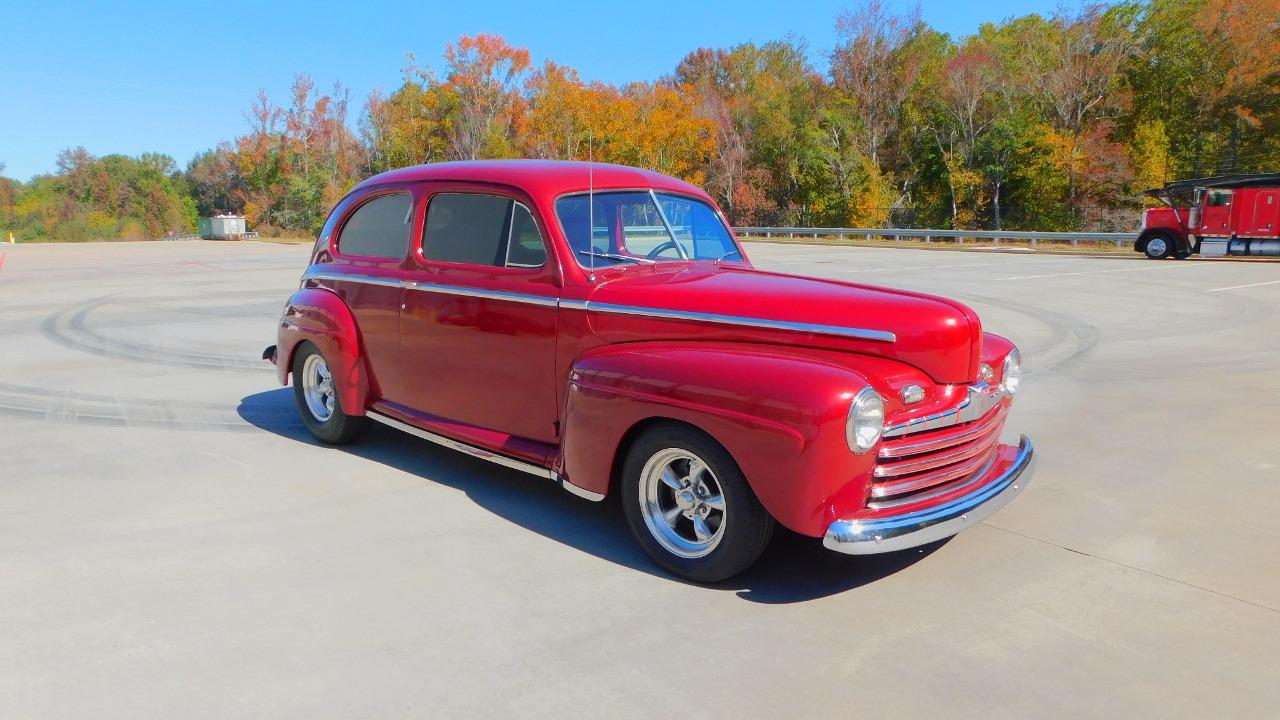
707	302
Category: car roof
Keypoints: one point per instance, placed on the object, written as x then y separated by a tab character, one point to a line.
542	177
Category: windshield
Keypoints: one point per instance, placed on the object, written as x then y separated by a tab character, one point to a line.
632	229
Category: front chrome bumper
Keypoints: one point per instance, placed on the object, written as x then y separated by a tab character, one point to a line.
898	532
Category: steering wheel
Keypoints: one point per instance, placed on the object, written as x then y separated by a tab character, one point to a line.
663	247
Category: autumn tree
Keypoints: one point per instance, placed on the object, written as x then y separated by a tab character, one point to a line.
560	112
874	66
1242	66
966	106
484	74
409	126
1034	122
1074	69
766	97
214	180
98	198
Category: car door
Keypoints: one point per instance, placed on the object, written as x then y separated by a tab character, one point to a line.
362	263
478	320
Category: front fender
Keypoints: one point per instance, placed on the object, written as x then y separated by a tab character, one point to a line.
320	316
779	412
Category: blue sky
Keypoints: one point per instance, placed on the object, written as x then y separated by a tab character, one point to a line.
131	77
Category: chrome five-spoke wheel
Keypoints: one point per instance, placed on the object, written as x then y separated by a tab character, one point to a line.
317	387
315	391
682	503
679	488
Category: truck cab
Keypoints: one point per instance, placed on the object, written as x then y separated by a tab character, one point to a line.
1215	216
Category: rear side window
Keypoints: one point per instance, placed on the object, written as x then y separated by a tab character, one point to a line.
481	230
378	228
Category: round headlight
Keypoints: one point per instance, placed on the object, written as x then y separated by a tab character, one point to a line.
866	421
1012	374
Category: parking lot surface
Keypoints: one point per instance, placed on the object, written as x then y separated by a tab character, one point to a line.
174	544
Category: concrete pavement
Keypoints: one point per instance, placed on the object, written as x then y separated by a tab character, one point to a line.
172	543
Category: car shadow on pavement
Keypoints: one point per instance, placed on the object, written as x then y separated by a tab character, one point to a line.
793	569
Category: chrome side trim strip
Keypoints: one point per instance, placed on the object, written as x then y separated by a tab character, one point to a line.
817	329
473	451
581	492
483	294
465	448
314	273
898	532
321	274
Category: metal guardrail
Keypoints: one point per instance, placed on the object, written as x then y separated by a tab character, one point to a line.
251	235
929	235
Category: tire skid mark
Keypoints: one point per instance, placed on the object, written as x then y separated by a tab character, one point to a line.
66	406
266	310
1079	336
70	328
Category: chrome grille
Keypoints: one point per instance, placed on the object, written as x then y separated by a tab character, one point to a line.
921	465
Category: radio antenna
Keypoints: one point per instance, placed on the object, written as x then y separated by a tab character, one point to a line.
591	210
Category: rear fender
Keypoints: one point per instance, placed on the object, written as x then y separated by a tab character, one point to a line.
780	414
320	316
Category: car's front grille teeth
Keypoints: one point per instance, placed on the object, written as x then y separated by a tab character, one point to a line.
919	465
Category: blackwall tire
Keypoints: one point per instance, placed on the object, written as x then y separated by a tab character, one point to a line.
689	505
315	394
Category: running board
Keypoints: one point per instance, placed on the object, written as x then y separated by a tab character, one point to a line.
473	451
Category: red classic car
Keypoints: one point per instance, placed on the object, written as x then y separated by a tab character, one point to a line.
600	326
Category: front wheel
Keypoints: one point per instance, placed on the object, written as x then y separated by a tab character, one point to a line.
1158	247
316	395
690	507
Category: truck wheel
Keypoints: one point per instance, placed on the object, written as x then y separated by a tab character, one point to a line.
1158	247
689	505
317	399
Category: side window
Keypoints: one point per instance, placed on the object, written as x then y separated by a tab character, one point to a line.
481	230
378	228
525	247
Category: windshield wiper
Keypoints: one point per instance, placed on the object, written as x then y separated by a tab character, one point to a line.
615	256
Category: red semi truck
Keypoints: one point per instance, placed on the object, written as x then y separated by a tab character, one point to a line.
1214	217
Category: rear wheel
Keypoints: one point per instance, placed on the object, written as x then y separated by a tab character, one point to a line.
689	505
316	394
1158	247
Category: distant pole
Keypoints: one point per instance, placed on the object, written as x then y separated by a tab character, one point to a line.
10	237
